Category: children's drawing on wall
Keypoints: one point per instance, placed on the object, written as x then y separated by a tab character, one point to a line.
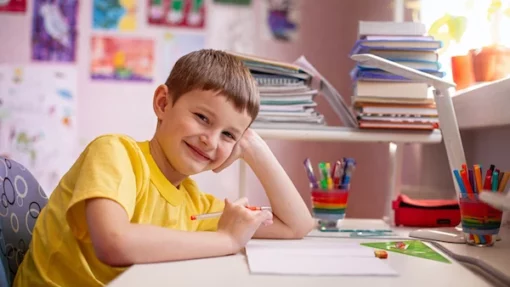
233	29
37	119
114	15
282	18
124	59
13	5
177	13
174	46
54	30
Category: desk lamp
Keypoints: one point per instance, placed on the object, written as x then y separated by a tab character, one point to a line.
443	92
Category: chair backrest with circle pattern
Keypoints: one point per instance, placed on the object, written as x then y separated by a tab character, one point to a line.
21	201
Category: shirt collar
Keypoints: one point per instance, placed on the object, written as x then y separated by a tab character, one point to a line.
172	194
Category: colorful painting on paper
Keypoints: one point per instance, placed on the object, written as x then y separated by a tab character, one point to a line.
54	30
114	15
125	59
234	2
282	19
13	5
38	119
177	13
175	46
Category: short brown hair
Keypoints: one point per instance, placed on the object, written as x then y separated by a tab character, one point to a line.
213	70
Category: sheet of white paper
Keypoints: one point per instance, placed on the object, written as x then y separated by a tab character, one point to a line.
310	257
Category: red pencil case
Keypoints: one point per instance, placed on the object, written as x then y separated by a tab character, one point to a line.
426	212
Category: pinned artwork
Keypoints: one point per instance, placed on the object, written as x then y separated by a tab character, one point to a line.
54	33
282	19
38	119
176	45
117	15
122	59
13	5
234	2
177	13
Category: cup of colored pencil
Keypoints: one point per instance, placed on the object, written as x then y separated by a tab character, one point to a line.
480	221
330	192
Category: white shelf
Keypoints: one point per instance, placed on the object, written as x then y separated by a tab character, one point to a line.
351	135
483	105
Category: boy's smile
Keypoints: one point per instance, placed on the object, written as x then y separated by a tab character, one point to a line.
198	154
196	133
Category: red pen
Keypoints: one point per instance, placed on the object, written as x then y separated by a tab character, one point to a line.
463	175
218	214
488	180
337	174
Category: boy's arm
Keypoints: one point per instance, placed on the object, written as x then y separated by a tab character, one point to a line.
291	217
117	242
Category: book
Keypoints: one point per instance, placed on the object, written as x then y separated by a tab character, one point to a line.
385	28
399	119
398	38
391	125
415	64
393	110
381	100
394	90
364	46
395	55
383	76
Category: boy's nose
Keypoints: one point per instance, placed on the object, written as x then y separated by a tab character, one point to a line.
210	141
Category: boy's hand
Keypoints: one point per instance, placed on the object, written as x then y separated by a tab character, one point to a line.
239	223
249	144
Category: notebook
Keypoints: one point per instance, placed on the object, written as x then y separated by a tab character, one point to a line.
277	80
260	64
334	98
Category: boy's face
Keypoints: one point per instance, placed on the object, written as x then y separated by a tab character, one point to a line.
199	131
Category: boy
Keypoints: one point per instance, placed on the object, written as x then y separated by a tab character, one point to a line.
125	202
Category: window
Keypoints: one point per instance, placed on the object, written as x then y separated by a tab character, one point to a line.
483	20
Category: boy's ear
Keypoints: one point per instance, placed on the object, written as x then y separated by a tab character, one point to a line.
161	101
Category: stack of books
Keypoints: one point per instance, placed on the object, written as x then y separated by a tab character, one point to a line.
383	100
286	96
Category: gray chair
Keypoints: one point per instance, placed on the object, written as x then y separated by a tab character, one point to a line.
21	201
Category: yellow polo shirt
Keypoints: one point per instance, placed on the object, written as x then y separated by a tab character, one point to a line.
120	169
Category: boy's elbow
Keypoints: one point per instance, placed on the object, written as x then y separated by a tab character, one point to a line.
113	252
304	229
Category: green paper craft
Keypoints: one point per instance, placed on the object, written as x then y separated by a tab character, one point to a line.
412	247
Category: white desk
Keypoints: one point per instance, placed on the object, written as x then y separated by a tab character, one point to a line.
233	270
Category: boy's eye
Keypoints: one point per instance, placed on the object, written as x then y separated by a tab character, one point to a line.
202	117
229	135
